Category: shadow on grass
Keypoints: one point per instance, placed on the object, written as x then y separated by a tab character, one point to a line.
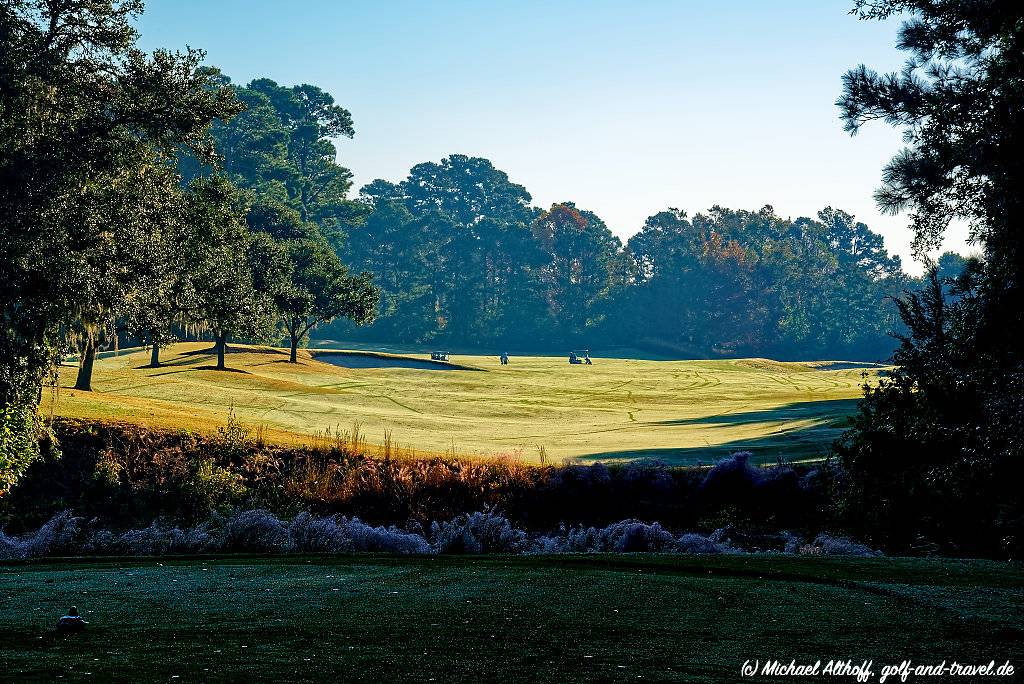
830	419
829	409
182	364
224	370
850	365
236	350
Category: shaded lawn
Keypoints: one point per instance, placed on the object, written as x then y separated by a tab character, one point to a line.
823	411
580	618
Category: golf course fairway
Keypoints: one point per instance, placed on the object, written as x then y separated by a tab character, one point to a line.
535	408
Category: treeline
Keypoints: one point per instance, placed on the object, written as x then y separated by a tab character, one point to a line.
462	258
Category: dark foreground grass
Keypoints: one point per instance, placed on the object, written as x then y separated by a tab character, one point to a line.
593	618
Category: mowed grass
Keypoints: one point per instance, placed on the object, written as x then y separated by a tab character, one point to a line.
457	619
683	412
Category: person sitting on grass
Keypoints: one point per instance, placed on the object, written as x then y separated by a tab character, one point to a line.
72	622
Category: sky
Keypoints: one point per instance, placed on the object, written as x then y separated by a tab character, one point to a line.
623	108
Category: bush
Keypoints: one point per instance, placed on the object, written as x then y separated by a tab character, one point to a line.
155	540
257	531
307	534
699	544
483	532
134	475
338	534
773	497
386	539
211	487
826	545
478	533
56	537
629	536
650	475
625	536
233	440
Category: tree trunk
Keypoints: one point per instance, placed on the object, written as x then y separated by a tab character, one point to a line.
295	349
85	364
154	357
221	346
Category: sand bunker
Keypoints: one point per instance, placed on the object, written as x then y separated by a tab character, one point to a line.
350	360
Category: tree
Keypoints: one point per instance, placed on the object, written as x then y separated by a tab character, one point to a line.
237	275
583	254
943	437
960	102
667	299
466	190
79	106
315	287
321	290
753	283
127	263
163	295
915	477
281	149
451	248
251	146
466	207
393	246
854	244
838	303
950	266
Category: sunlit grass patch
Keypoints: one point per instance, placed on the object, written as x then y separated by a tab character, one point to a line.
683	412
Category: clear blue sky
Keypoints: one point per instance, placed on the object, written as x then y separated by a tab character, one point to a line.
623	108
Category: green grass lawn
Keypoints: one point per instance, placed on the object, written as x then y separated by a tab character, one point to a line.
562	619
683	412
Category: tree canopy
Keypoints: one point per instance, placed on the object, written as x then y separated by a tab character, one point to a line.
82	111
938	447
281	148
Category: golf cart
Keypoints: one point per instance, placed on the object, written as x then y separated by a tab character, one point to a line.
580	356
